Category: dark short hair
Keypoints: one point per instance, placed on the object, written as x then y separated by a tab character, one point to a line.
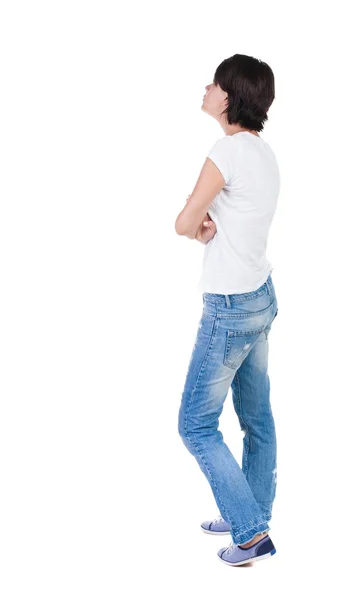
249	83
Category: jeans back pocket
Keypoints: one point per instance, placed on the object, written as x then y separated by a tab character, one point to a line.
238	345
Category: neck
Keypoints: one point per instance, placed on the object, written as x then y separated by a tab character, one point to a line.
231	129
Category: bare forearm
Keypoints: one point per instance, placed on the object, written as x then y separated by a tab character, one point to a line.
196	235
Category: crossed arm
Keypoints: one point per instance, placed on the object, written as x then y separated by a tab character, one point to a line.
190	220
206	230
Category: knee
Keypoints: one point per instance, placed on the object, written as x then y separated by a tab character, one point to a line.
183	432
186	440
181	427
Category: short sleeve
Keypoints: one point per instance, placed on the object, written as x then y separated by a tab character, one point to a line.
222	155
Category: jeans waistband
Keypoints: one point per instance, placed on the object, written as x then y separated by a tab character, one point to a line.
265	288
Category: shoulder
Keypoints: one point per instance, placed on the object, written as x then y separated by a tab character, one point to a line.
222	154
223	148
223	143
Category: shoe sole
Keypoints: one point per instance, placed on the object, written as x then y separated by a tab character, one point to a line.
215	532
243	562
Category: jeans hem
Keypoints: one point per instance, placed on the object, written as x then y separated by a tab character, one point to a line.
268	517
250	533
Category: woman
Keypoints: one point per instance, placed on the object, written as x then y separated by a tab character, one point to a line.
230	210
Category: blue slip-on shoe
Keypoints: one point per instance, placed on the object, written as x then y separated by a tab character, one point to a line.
216	527
233	555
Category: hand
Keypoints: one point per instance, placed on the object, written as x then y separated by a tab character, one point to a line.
206	231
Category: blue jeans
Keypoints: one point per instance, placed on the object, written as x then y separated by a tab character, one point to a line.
231	349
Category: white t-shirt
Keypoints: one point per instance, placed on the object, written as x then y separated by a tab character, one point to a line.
234	260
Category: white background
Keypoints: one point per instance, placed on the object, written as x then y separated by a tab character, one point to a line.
102	139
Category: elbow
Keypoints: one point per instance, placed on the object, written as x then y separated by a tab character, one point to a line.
183	228
179	229
186	233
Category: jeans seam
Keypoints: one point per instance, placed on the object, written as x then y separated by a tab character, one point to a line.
243	420
204	362
211	478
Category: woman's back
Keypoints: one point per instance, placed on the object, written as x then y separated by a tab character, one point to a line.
235	259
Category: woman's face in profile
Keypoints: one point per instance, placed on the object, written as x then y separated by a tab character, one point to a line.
214	100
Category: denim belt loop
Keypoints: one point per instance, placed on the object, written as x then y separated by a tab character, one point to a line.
268	287
228	301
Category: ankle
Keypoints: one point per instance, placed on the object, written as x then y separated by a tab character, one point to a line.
258	537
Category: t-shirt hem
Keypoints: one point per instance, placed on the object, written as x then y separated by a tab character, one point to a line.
243	290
